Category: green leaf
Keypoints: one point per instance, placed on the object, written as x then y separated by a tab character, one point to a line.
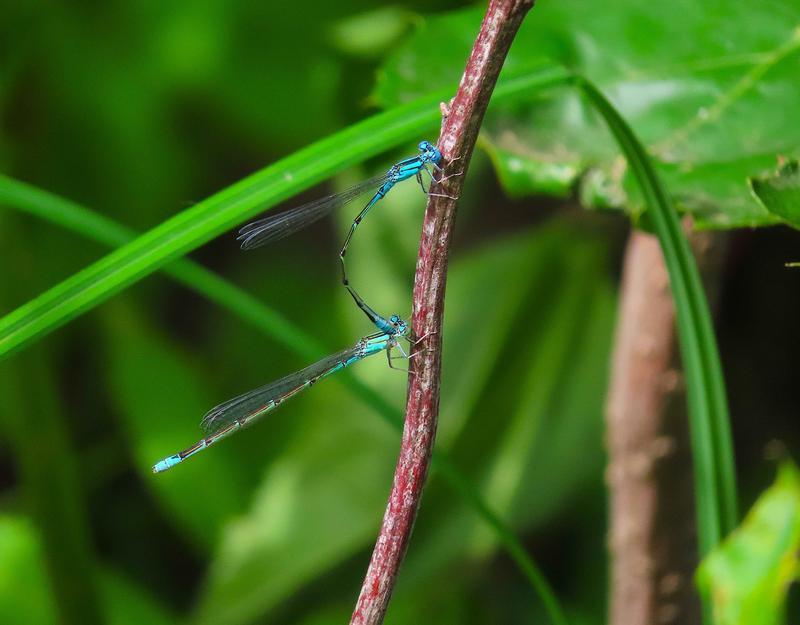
370	34
519	176
747	577
703	93
25	594
779	192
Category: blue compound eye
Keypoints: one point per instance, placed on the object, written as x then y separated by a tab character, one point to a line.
395	319
424	146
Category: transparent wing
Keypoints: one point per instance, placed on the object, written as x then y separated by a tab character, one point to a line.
250	405
274	227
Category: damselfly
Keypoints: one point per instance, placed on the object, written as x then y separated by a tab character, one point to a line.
274	227
225	419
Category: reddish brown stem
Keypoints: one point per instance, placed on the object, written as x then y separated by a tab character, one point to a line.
456	141
652	536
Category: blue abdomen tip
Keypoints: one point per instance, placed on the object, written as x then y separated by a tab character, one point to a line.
166	463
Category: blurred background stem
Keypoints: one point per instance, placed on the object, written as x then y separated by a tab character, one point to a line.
652	531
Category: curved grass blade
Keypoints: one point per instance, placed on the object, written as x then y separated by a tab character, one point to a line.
99	228
712	449
194	226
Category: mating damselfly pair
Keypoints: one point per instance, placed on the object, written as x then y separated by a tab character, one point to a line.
234	414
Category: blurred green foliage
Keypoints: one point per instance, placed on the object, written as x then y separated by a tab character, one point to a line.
779	192
749	575
138	109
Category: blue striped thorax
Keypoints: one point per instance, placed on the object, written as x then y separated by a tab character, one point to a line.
428	153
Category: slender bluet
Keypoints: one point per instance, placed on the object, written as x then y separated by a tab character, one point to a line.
274	227
234	414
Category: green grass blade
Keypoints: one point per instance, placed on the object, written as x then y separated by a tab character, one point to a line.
198	224
194	226
82	221
715	478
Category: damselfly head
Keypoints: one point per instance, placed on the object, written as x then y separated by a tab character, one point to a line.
429	152
401	327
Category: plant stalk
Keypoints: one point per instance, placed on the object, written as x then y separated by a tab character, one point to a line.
652	532
456	141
